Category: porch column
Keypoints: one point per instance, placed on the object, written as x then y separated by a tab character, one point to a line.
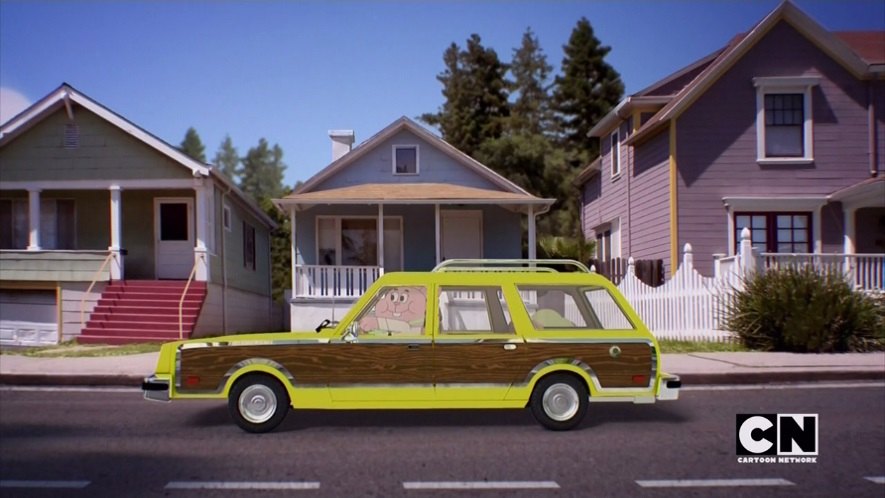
849	229
34	219
201	253
436	224
294	252
533	249
381	239
116	233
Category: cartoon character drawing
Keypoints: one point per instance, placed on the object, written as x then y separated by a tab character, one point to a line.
399	310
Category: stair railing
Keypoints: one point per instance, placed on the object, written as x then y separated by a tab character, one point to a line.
201	259
89	289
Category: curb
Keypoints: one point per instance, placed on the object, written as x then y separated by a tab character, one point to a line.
734	378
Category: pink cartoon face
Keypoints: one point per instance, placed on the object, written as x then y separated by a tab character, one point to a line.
398	310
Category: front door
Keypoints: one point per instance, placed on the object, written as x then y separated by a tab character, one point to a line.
174	237
461	234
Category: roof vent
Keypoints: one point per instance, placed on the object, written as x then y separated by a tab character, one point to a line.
72	136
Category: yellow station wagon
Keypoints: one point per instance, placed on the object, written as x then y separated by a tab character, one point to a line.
469	334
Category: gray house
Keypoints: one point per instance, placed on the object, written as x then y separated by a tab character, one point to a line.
782	132
402	200
102	225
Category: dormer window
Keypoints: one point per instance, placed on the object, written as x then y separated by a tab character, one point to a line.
405	160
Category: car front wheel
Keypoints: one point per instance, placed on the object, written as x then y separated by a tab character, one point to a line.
258	403
559	402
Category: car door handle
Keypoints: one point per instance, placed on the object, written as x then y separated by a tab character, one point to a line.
509	347
414	347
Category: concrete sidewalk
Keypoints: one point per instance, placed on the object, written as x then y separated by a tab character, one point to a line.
694	368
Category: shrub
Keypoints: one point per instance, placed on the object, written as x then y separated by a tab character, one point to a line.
805	310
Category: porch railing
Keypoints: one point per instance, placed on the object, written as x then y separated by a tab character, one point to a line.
866	271
316	281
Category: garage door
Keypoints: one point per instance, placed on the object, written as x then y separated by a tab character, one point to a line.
28	317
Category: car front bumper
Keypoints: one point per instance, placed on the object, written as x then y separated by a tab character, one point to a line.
155	389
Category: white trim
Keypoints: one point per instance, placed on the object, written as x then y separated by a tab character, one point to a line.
397	147
437	223
785	85
615	145
34	212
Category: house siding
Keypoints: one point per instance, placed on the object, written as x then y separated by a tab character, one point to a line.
605	197
650	196
716	142
104	152
434	166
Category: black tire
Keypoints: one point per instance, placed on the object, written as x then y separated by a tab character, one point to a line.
559	402
258	403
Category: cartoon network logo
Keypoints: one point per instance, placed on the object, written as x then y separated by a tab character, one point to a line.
777	438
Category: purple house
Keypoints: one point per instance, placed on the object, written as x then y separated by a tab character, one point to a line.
782	131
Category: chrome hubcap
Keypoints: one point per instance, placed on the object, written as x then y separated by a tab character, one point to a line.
560	402
257	403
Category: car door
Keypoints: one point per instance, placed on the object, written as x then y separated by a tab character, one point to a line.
385	353
477	354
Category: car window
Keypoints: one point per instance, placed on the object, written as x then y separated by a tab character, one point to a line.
473	310
553	307
394	311
606	309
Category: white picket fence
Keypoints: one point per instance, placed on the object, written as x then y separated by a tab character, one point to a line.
689	306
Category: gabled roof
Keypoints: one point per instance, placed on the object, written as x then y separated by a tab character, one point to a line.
827	41
65	95
405	123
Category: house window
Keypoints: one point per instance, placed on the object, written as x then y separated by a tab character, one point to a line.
616	153
248	246
604	245
783	119
57	224
225	218
775	232
405	159
353	241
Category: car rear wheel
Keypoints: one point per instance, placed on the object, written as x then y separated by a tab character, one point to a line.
559	402
258	403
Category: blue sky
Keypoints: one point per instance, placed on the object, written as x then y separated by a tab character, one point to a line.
291	71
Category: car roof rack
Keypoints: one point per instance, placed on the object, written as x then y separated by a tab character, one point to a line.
508	265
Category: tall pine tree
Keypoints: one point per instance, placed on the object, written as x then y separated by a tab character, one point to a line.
226	159
585	92
530	112
475	94
261	172
193	146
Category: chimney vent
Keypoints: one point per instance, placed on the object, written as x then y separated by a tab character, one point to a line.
342	142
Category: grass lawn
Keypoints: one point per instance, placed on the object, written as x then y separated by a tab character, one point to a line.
671	346
74	350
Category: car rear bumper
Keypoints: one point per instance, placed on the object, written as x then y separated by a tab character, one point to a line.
155	389
669	388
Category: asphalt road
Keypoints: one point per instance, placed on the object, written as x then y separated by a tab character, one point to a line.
112	443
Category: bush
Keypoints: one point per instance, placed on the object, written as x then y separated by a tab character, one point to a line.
803	310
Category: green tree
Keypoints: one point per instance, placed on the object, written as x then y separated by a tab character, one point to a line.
585	92
475	94
226	159
261	171
530	111
193	146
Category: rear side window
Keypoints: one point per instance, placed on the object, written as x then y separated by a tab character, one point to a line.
558	307
473	310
